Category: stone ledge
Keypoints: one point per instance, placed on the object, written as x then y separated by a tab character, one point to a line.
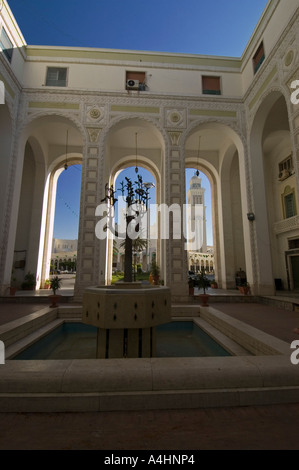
146	383
252	339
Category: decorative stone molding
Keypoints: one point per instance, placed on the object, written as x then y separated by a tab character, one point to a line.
286	225
289	57
175	137
95	114
94	134
175	118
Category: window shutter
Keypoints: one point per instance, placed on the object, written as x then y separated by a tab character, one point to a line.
211	85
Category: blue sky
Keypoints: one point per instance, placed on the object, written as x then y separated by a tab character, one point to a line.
217	27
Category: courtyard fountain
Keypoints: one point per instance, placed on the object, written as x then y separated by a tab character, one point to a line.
127	313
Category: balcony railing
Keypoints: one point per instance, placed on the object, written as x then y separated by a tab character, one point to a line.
286	225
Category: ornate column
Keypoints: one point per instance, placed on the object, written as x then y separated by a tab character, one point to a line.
89	271
177	265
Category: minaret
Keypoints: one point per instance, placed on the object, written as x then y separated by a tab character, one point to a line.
197	215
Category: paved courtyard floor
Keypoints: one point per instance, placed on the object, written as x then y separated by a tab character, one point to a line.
250	428
272	427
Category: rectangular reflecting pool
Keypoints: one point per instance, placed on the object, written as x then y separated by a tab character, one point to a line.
78	341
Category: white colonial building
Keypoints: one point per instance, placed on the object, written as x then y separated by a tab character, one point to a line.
244	110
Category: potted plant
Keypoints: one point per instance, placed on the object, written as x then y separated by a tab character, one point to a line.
155	272
244	288
214	284
13	288
203	283
191	286
55	286
29	281
47	284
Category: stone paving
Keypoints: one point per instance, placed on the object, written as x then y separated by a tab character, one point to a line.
250	428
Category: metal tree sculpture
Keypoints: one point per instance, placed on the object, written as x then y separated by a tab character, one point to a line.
136	196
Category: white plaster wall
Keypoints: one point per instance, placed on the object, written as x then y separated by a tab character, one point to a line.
13	31
5	156
268	30
112	77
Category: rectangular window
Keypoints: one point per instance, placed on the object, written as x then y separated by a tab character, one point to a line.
285	168
135	81
211	85
6	45
293	244
258	57
56	76
289	206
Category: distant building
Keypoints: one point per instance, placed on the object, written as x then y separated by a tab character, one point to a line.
202	257
197	217
64	246
64	255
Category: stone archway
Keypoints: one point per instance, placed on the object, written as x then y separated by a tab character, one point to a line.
44	140
6	129
148	231
121	152
28	229
5	161
276	231
220	156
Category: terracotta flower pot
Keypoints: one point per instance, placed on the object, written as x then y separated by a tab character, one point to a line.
13	290
54	299
204	299
244	290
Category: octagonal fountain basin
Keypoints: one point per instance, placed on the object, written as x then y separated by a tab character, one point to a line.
126	315
74	340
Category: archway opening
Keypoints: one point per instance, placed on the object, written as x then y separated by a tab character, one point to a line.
66	223
199	222
5	139
46	152
29	216
216	151
135	143
276	196
145	244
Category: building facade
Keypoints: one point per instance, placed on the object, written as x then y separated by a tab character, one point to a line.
64	255
244	110
64	246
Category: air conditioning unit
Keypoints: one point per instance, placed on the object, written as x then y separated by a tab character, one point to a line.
133	84
283	175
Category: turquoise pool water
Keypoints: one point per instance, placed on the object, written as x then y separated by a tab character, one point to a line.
78	341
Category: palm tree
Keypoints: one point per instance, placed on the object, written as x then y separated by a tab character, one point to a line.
138	246
115	249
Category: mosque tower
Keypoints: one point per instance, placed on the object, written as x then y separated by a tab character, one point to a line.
197	215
